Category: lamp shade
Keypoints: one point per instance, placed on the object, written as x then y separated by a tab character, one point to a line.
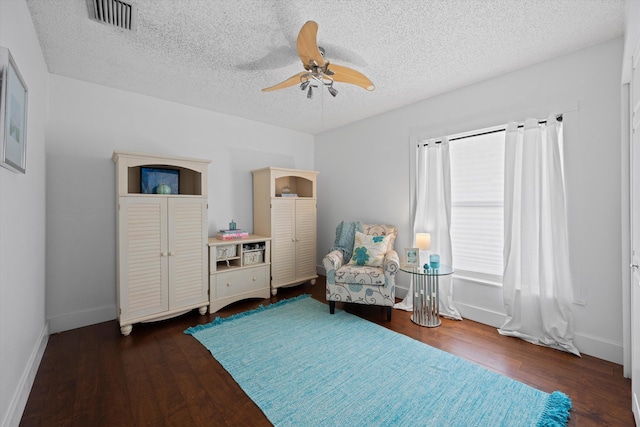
423	241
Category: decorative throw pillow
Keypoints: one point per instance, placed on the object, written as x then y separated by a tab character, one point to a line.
369	250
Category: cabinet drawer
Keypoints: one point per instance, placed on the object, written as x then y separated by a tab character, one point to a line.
230	283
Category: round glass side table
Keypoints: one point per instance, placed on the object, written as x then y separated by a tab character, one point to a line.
426	294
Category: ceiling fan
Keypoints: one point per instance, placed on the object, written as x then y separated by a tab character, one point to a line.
319	72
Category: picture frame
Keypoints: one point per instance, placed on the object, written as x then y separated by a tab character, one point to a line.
412	257
13	115
159	181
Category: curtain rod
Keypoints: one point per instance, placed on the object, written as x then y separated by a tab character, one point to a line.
502	129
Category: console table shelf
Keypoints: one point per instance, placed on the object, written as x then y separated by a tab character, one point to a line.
238	269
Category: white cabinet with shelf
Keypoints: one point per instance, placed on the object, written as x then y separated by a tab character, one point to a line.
161	241
284	208
238	269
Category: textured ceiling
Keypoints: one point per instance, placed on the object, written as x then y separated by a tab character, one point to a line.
219	54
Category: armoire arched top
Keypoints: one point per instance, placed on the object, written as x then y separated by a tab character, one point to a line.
192	172
296	182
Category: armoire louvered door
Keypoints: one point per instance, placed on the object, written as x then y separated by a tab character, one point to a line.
283	249
143	265
305	223
163	244
187	250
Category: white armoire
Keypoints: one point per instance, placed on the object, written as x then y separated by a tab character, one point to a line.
162	257
284	208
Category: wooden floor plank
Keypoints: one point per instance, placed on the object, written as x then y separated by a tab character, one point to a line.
160	376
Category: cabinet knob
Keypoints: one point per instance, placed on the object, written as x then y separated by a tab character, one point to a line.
172	253
164	254
254	279
228	285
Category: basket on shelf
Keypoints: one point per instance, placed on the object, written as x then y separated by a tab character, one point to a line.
226	251
253	257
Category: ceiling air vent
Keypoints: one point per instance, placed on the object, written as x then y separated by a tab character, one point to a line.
116	13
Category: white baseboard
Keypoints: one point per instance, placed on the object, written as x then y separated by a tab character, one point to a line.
597	347
586	344
480	315
82	318
21	395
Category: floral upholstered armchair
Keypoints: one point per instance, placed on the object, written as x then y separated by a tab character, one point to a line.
368	277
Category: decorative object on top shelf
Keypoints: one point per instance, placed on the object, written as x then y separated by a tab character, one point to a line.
13	115
163	189
411	257
232	225
286	192
159	181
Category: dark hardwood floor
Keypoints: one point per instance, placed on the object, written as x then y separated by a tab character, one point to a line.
158	376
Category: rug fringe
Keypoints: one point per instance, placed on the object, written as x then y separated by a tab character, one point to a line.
556	411
219	320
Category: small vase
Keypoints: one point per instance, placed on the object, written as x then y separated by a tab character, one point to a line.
434	260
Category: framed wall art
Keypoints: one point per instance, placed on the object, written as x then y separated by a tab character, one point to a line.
13	115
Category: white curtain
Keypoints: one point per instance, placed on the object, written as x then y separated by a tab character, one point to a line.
536	282
433	215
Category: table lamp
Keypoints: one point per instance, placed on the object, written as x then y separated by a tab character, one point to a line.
423	243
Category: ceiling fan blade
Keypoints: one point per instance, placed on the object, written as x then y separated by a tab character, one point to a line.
349	75
291	81
308	45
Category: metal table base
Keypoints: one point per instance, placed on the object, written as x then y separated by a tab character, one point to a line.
426	293
426	310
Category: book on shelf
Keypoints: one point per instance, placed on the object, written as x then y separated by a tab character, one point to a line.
238	230
232	236
289	195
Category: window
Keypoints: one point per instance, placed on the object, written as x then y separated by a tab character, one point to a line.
477	202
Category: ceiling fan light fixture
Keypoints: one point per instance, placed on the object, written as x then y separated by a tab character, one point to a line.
317	72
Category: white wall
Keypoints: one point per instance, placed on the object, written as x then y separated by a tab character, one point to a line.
87	123
23	328
365	175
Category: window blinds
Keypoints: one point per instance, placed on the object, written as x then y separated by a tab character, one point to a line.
477	194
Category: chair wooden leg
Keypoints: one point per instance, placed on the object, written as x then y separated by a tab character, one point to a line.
388	312
332	307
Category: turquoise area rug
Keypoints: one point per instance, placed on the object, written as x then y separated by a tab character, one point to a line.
305	367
